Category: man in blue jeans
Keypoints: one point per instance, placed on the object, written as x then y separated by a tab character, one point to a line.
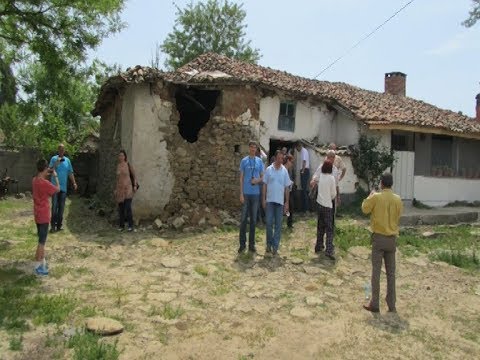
276	183
251	175
63	167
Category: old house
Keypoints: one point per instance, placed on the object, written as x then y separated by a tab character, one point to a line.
186	131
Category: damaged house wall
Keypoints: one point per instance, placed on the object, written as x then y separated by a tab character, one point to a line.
311	121
181	157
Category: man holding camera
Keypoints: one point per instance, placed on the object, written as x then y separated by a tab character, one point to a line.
251	177
63	167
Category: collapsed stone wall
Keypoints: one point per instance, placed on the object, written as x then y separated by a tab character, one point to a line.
206	171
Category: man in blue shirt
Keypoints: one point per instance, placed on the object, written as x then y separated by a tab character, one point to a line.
251	175
276	183
64	170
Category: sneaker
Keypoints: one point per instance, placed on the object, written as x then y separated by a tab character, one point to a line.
269	249
241	249
59	228
40	270
131	229
275	252
121	229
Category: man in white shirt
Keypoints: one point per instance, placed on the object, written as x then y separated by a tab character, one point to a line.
337	176
303	164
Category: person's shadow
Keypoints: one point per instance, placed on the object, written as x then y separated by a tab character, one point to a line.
390	322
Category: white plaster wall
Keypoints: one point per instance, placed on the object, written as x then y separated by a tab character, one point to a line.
347	185
149	152
310	121
347	130
384	135
126	128
434	191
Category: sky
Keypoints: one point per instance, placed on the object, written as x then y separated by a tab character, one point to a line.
426	41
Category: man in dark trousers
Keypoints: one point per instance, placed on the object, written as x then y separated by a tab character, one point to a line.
385	209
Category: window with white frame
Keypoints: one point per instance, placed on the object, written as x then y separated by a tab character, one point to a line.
286	117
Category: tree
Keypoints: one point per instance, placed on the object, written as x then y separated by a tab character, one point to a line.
370	160
215	26
56	32
43	47
474	14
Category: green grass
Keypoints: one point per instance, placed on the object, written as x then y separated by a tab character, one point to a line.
347	235
16	343
201	270
458	258
170	312
88	346
21	300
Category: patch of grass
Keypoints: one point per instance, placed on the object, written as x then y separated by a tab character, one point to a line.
198	303
458	258
16	343
51	309
88	311
170	312
88	346
455	238
163	333
201	270
303	253
347	235
119	294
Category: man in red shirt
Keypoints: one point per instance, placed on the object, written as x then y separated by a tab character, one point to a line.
42	191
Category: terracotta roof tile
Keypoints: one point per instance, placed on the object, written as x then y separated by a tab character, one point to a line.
371	107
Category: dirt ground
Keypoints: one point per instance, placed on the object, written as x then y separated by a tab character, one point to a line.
188	296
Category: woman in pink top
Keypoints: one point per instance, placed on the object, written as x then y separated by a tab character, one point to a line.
42	191
126	186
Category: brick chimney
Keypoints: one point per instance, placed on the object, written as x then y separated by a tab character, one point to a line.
395	83
478	107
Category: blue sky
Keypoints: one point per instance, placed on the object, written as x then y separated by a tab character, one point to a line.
426	41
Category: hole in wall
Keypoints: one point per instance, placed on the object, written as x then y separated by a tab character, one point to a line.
194	107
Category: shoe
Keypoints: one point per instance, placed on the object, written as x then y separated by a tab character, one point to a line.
252	250
394	310
371	309
274	252
241	249
268	249
121	229
130	229
52	229
40	270
319	249
330	256
59	228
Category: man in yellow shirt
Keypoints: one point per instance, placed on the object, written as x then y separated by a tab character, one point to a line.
385	209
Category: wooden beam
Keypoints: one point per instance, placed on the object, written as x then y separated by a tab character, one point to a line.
426	130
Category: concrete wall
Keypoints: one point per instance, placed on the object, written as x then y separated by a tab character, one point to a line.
310	122
149	152
434	191
21	166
